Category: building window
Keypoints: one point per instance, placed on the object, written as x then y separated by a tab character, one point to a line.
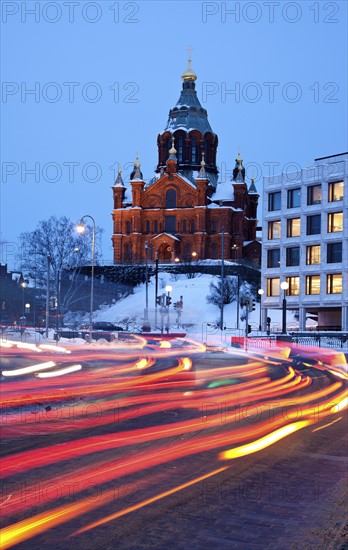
294	197
147	226
128	252
313	254
335	191
274	201
273	286
293	227
334	253
128	227
170	224
293	256
155	226
294	286
335	222
314	224
180	148
213	226
214	251
314	194
194	150
313	284
184	226
273	257
171	198
193	226
274	230
334	283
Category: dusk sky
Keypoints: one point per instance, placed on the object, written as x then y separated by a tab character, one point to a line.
272	76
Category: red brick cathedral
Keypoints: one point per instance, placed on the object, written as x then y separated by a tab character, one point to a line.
182	213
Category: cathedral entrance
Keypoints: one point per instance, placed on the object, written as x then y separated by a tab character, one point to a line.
165	253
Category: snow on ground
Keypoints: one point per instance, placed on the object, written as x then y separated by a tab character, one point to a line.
196	311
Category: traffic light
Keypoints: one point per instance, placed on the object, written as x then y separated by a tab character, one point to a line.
249	329
168	300
252	304
159	300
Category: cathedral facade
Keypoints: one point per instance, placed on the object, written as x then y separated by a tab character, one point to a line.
184	213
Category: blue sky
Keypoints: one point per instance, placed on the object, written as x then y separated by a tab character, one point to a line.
105	75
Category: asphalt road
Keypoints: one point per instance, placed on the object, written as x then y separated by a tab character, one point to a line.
172	493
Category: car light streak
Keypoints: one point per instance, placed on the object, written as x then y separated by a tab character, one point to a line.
60	372
156	405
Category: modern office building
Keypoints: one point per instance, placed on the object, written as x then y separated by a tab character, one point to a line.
305	243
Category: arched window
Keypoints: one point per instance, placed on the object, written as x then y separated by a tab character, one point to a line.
194	150
206	152
184	226
180	148
213	226
128	252
155	226
214	251
128	227
192	226
147	226
171	198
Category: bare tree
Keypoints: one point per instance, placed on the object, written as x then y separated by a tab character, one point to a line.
56	243
229	291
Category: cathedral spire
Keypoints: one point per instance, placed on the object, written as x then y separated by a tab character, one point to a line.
136	172
119	180
189	74
239	170
202	175
252	188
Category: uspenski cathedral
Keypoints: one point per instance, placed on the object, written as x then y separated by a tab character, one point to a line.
183	212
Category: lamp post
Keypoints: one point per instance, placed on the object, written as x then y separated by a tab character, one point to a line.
168	300
284	286
81	228
146	327
260	292
23	285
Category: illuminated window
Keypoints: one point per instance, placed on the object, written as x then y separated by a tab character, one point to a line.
274	201
314	224
293	227
274	230
313	284
336	191
273	257
314	194
273	286
334	283
294	197
313	254
293	256
294	286
334	253
335	222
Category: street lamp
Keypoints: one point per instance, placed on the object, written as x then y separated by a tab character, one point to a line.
168	300
177	260
146	327
284	286
260	292
23	285
81	228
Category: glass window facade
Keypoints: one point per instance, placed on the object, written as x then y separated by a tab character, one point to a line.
313	254
314	194
294	197
314	224
274	201
273	286
334	283
294	286
335	191
335	222
293	227
334	253
274	230
313	284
